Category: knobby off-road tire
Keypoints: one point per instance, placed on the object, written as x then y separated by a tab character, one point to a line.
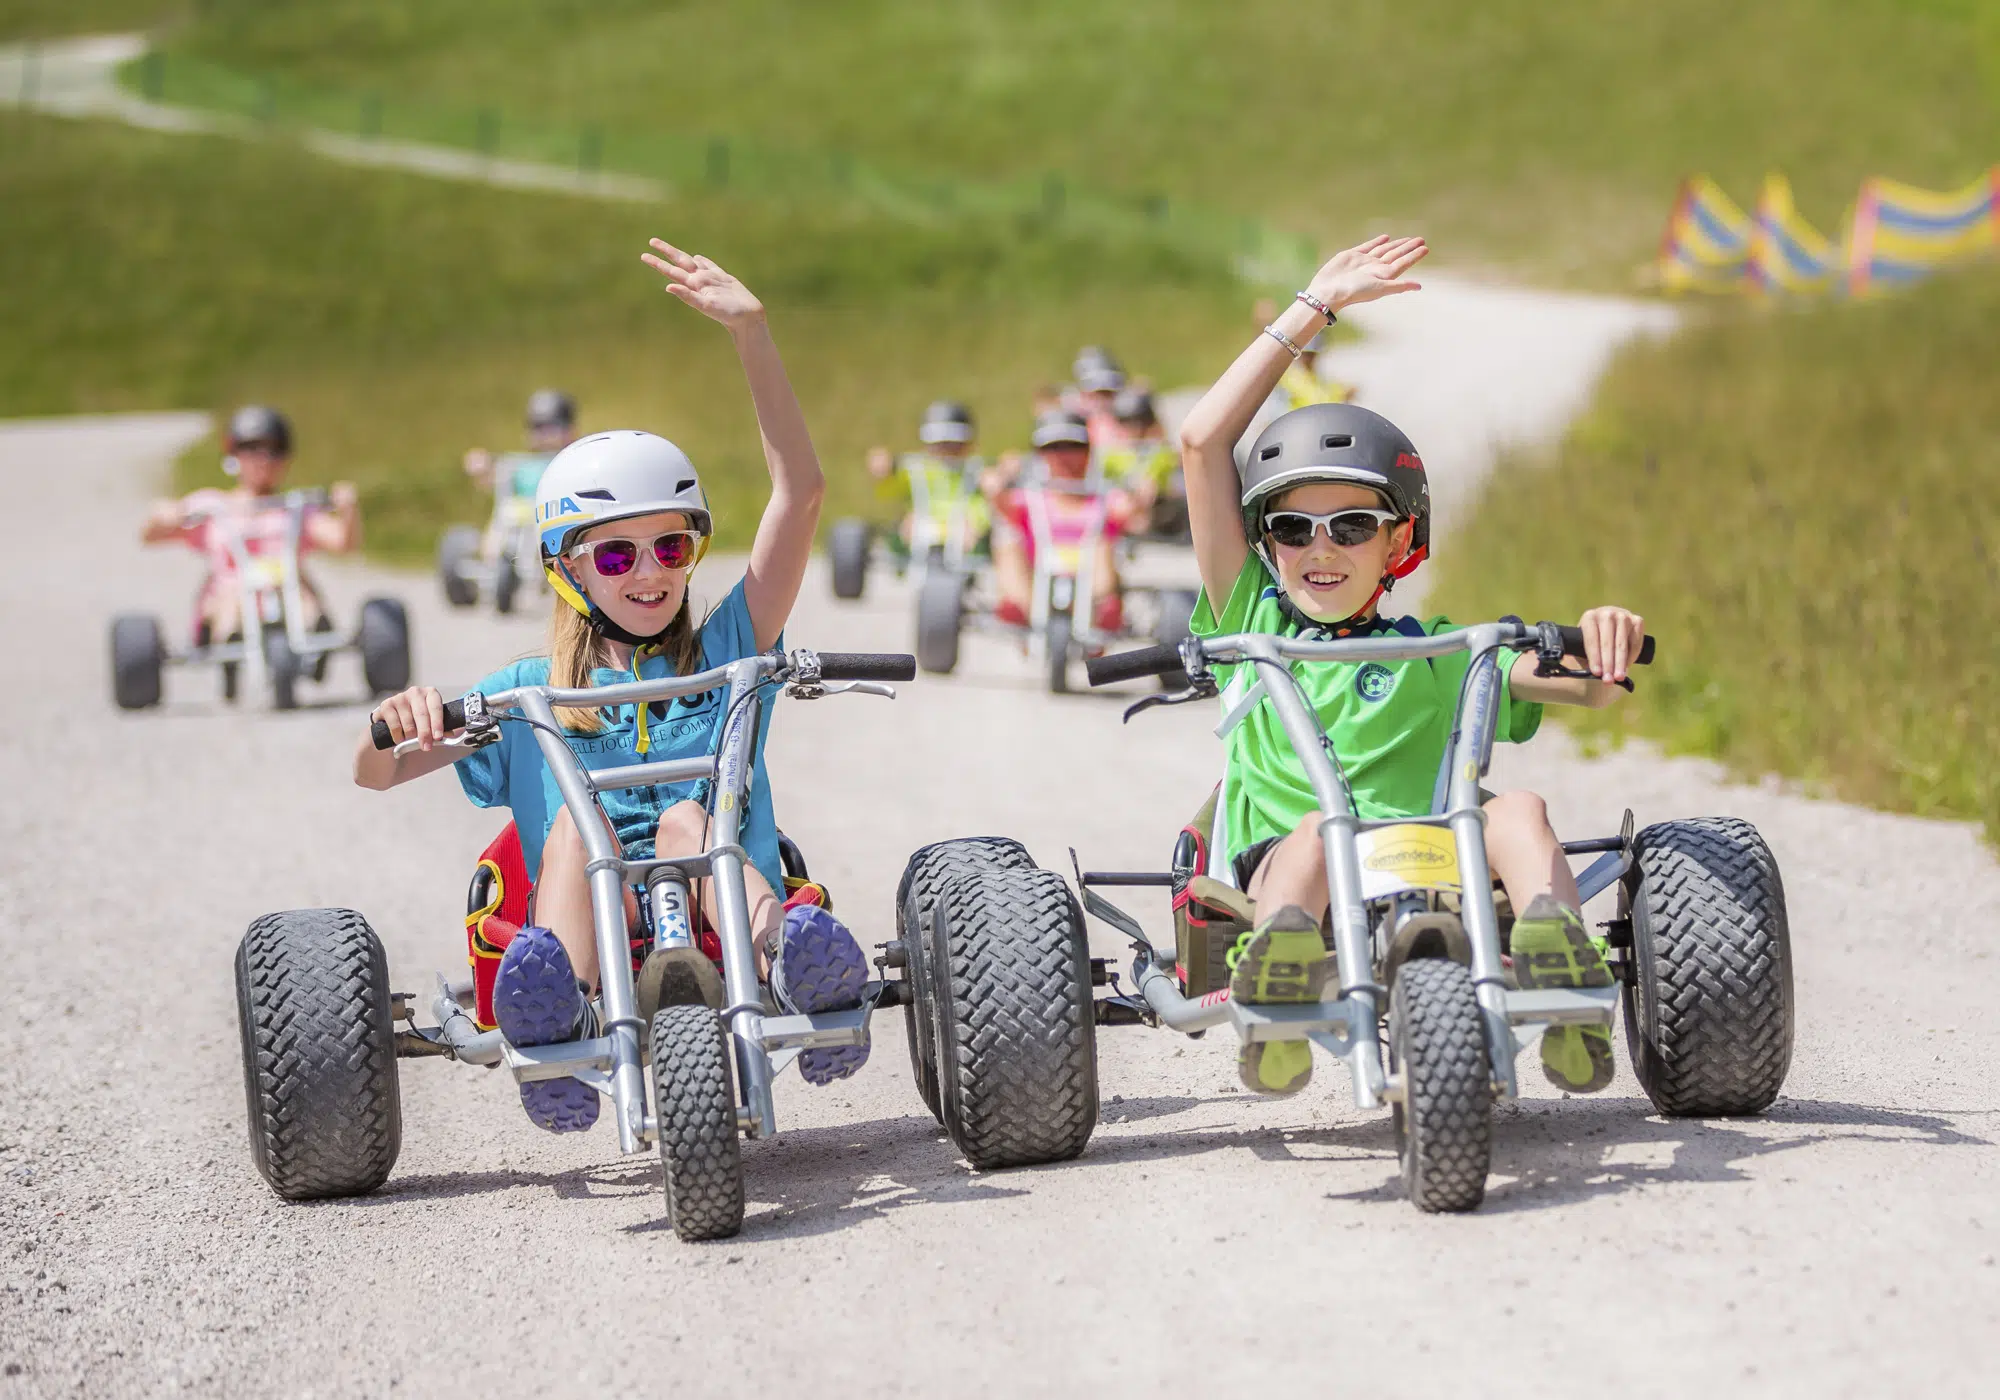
1170	628
1444	1123
138	651
281	665
383	639
319	1053
927	872
1017	1038
1708	1015
696	1105
458	547
940	619
1061	628
847	552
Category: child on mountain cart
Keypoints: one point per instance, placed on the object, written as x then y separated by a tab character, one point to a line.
624	522
935	491
550	424
1081	513
258	448
1330	509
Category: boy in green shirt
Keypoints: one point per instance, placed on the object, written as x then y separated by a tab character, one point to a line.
1330	509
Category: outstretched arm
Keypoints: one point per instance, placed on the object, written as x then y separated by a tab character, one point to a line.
784	536
1367	272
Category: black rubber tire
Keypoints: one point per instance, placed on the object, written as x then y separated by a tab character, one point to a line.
319	1053
696	1105
940	619
1056	651
231	680
383	639
321	625
1170	628
1444	1122
457	547
138	655
506	584
281	666
1708	1012
847	543
927	872
1017	1036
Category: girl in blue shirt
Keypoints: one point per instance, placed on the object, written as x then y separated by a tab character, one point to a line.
624	522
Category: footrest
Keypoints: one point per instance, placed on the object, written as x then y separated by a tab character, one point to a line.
1280	1021
532	1062
1563	1006
819	1030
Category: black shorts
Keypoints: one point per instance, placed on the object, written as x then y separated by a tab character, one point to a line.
1249	858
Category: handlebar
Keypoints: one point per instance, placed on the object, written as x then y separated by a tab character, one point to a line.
1158	660
1155	660
454	719
866	666
1572	639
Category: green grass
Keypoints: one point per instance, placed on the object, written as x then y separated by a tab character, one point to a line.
1544	135
401	319
1803	506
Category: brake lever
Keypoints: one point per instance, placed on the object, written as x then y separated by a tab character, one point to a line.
1549	658
1201	688
819	690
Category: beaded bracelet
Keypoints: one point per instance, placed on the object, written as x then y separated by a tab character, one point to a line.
1316	304
1283	340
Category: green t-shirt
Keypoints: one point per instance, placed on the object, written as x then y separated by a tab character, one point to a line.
1389	721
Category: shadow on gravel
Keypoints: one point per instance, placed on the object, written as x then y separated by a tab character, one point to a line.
1557	1154
611	1178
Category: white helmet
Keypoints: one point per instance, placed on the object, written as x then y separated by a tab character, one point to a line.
614	476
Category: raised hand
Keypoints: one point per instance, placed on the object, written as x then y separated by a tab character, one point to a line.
1369	271
704	286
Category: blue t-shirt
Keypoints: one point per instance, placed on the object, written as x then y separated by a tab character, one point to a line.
511	773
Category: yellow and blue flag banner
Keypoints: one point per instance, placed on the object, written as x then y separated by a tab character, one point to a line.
1788	256
1900	232
1896	234
1706	247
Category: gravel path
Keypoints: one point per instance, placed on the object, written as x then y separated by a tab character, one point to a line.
1843	1244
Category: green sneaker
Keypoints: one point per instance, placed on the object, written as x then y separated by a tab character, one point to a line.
1281	961
1552	948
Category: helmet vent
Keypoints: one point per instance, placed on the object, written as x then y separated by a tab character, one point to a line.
1337	440
598	495
686	484
1268	453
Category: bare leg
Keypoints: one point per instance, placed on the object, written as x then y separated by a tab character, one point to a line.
1523	850
1012	574
562	897
1293	872
684	832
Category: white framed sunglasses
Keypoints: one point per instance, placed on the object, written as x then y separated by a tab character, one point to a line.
614	558
1347	528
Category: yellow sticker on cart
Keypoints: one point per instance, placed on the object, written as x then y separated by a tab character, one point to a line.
1408	856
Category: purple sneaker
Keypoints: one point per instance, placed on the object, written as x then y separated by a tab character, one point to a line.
536	1001
819	967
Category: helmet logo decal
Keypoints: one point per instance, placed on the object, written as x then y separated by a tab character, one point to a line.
1410	460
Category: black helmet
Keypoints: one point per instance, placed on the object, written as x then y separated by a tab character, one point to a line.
1097	370
947	420
254	425
1340	442
1134	405
551	408
1059	427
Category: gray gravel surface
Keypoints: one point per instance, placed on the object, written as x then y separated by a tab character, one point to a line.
1842	1244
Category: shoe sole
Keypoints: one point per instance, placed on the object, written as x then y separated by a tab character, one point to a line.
1262	975
534	1003
824	969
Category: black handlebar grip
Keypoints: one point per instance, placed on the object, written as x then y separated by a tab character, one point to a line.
867	666
1155	660
1573	646
454	720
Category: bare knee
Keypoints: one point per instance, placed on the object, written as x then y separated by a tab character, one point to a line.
563	846
1308	828
683	830
1515	814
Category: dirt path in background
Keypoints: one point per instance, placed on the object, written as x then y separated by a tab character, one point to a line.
1843	1244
